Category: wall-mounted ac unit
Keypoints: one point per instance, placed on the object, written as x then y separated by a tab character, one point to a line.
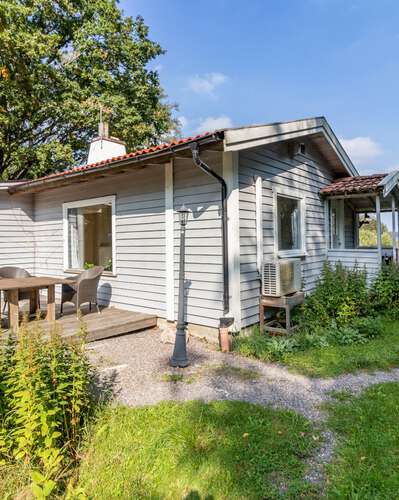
281	277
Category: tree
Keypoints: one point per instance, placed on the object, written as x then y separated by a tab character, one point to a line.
59	62
368	235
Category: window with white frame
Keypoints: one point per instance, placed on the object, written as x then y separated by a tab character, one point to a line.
289	223
89	234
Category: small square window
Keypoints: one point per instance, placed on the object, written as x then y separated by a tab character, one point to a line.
289	223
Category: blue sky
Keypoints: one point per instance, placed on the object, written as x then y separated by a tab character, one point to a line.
238	63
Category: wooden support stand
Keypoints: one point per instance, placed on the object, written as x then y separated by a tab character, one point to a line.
287	302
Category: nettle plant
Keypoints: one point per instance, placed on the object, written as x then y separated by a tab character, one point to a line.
384	293
45	401
340	296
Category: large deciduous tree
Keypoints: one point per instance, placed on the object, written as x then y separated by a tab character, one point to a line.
60	60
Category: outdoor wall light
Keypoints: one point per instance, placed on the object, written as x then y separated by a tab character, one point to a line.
366	220
183	214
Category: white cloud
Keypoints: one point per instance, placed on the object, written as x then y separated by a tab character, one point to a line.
213	123
183	122
207	83
362	150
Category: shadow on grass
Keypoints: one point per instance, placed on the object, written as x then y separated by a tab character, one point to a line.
224	449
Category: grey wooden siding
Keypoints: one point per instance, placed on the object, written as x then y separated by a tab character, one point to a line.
363	258
204	267
140	236
304	174
16	231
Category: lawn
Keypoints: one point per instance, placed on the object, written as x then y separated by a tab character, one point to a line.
193	450
367	458
379	353
235	450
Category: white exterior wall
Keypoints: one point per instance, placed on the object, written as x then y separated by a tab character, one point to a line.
16	231
141	243
362	258
139	283
204	264
305	175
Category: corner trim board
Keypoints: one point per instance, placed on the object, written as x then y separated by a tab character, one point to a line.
259	223
230	174
169	242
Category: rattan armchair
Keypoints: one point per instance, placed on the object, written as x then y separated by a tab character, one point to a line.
83	289
18	272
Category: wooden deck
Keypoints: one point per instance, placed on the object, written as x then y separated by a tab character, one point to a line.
110	322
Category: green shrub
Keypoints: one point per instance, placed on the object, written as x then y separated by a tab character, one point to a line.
262	346
345	335
341	294
368	327
384	293
44	402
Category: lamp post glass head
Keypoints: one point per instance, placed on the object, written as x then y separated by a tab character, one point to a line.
183	215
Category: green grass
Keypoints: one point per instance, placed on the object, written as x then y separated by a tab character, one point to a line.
193	450
14	482
367	457
237	372
379	353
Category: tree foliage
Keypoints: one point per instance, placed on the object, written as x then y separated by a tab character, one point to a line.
368	235
59	61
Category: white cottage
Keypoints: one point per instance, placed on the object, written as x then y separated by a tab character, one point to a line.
120	212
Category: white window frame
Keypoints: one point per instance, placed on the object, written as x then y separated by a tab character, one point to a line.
103	200
294	195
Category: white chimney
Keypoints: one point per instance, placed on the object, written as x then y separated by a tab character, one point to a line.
104	147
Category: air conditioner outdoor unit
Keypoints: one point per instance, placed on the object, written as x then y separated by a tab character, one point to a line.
281	277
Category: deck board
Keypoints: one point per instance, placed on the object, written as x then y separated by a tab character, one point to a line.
110	322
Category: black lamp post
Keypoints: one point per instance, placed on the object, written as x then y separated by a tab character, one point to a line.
179	357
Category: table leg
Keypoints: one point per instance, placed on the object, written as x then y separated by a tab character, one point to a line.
34	302
51	303
261	317
288	318
13	309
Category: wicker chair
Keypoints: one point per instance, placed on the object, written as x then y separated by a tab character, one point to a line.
18	272
83	290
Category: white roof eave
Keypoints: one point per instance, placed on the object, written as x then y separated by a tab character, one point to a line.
389	183
249	137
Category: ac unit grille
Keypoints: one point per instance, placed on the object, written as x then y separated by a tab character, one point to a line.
270	279
281	277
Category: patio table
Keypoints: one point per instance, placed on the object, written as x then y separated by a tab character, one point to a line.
33	284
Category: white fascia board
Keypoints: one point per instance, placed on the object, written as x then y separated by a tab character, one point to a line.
389	182
250	137
339	150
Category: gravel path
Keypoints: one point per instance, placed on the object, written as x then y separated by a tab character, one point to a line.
136	366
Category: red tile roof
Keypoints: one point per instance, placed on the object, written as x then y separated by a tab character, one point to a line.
135	154
353	185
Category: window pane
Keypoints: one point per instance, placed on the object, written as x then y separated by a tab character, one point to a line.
90	236
289	223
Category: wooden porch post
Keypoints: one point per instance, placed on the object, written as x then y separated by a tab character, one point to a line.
394	255
378	215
